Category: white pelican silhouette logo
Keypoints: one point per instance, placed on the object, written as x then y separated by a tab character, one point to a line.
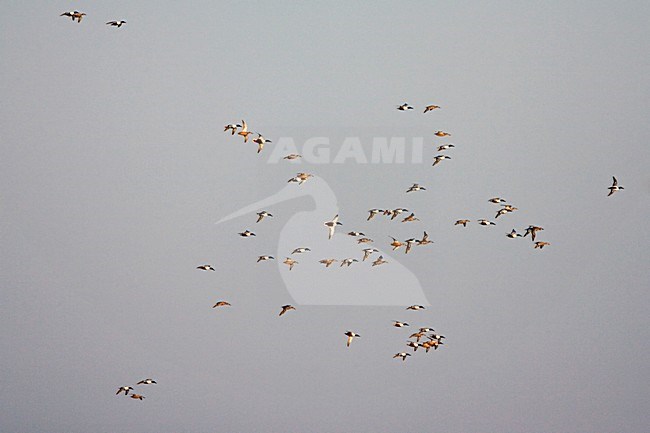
311	283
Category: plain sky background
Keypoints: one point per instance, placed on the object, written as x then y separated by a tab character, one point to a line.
114	168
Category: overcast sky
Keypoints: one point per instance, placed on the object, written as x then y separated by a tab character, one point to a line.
114	169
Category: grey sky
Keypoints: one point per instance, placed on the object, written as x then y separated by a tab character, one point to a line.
114	169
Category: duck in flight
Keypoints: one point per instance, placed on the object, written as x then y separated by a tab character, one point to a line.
76	15
327	262
116	23
461	222
331	226
425	240
442	134
231	127
221	304
263	214
410	218
124	389
351	335
431	108
541	244
286	308
416	187
292	156
532	231
439	158
244	131
367	252
404	107
402	355
260	141
264	258
347	262
146	382
290	262
205	268
300	178
445	147
612	189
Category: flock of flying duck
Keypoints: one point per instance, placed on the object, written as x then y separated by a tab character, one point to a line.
429	336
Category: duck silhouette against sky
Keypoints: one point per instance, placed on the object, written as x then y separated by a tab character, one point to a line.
310	283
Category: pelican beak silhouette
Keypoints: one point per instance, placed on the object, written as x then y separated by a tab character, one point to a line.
316	188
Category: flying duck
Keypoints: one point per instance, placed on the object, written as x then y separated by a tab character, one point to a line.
331	225
261	215
409	243
347	262
292	156
264	258
396	212
379	261
300	178
402	355
146	382
501	211
367	252
244	131
137	396
395	244
247	234
205	268
532	230
398	324
327	262
430	108
612	189
410	218
496	200
231	127
221	304
356	234
445	147
260	141
351	335
124	389
486	222
286	308
442	134
116	23
425	240
541	244
290	262
417	335
513	234
372	213
416	187
76	15
415	307
364	241
404	107
414	345
463	222
439	158
300	250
